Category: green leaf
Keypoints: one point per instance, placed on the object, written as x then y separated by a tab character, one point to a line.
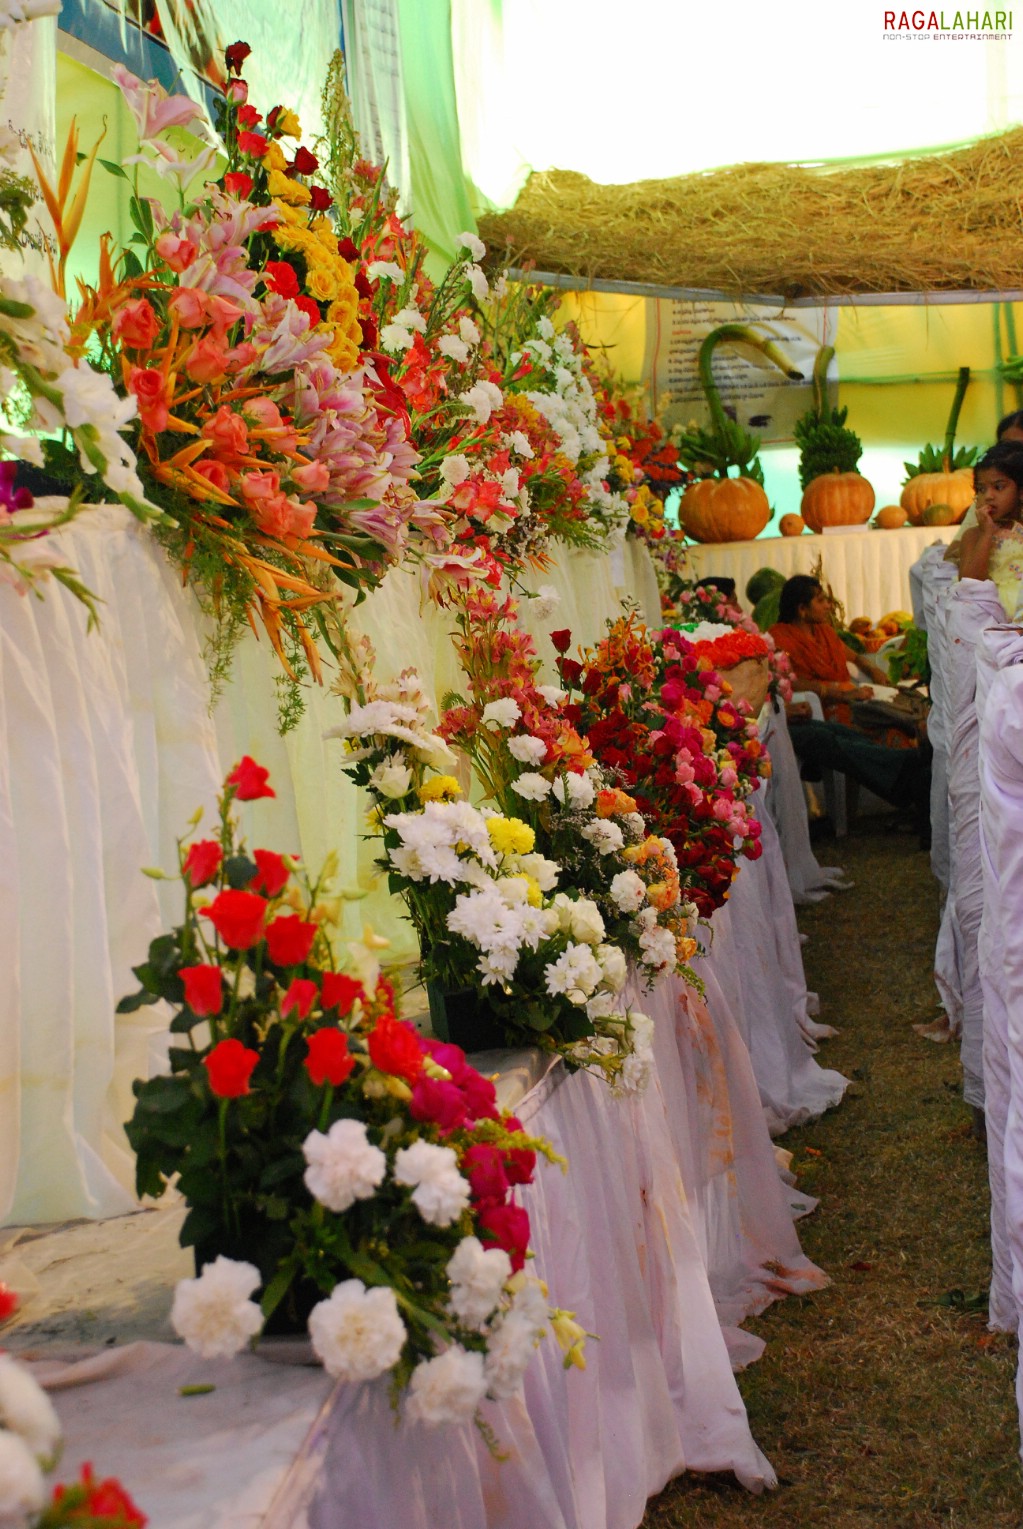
113	169
136	1001
141	215
240	870
131	264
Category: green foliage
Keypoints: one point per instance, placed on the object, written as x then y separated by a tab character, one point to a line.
910	661
933	460
825	445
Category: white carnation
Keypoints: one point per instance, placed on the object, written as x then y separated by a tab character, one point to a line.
575	790
502	713
519	443
395	337
468	331
411	318
344	1166
658	947
531	786
447	1389
27	1411
455	469
450	345
22	1489
553	694
546	602
509	1350
628	891
213	1313
477	249
527	749
440	1193
478	1275
478	282
605	836
357	1333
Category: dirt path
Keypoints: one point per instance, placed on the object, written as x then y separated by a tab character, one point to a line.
882	1401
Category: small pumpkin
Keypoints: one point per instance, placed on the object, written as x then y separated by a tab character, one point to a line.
939	515
724	510
952	488
792	525
890	518
837	499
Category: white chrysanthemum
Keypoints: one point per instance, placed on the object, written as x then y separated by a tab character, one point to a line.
385	270
613	964
213	1313
391	778
628	891
502	713
575	790
576	973
343	1165
477	249
532	787
527	749
467	330
605	836
440	1193
357	1333
478	1276
451	346
22	1489
447	1389
27	1411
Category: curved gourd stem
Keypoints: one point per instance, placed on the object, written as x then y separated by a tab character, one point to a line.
743	334
825	356
953	417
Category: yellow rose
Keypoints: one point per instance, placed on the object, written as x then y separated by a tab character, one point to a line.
285	190
287	123
321	284
344	352
274	159
292	217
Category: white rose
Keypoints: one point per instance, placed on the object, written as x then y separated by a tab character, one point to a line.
391	778
357	1333
213	1313
478	1276
440	1193
543	871
344	1166
27	1411
586	922
22	1489
447	1389
531	786
612	960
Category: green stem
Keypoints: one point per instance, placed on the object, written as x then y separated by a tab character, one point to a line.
953	417
741	334
824	359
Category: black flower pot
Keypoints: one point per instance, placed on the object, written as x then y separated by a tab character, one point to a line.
464	1018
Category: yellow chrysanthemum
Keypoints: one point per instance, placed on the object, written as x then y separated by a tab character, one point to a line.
535	894
439	788
510	836
274	159
287	123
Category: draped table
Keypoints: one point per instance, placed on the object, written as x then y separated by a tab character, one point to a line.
868	570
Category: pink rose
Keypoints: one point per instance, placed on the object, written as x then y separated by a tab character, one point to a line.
136	324
302	517
176	253
150	388
228	433
312	477
207	362
188	306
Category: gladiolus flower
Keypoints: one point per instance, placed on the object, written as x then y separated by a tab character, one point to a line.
150	388
300	996
230	1065
202	862
339	991
328	1060
204	988
237	182
8	1301
238	917
273	873
249	780
105	1500
289	939
136	324
394	1047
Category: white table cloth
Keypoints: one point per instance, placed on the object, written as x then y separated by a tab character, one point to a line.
868	570
785	800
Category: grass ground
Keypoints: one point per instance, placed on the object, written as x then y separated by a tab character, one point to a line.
882	1400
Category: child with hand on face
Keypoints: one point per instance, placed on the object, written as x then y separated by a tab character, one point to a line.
993	548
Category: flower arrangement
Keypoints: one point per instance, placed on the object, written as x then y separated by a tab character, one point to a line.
645	464
686	605
492	925
666	723
359	1175
30	1444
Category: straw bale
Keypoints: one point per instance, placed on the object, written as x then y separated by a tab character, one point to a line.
938	222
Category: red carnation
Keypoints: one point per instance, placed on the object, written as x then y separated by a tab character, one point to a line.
507	1226
249	780
300	997
328	1060
562	639
482	1165
394	1047
273	873
235	55
252	143
309	307
304	163
289	939
204	988
438	1102
339	991
230	1066
237	183
106	1500
281	278
202	862
238	917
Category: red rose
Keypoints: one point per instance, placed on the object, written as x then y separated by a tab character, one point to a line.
248	116
136	324
320	198
309	307
339	991
328	1060
281	278
237	183
230	1066
482	1165
150	388
289	939
438	1102
204	988
562	639
235	55
215	474
507	1226
570	671
106	1500
300	997
304	163
348	249
273	873
361	283
8	1301
253	144
202	862
238	918
394	1047
249	780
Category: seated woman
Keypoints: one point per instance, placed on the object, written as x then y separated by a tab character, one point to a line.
819	656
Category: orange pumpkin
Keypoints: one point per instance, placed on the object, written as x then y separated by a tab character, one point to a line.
792	525
890	518
837	499
724	510
952	488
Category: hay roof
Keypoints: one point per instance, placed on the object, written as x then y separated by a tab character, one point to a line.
941	222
